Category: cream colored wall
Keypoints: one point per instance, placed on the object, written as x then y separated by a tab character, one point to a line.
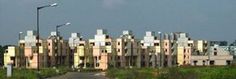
180	55
12	50
33	61
7	60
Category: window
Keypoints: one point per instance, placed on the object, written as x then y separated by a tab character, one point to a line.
166	56
118	50
126	50
97	64
119	64
106	51
215	49
228	62
212	62
48	44
107	36
118	57
118	43
203	62
189	44
108	43
215	53
195	62
31	57
156	44
81	44
155	38
38	44
12	58
125	43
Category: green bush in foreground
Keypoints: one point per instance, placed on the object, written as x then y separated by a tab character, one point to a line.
131	73
174	73
32	74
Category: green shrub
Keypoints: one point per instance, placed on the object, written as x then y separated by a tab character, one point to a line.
174	73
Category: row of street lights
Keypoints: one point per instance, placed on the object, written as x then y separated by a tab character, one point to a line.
57	34
37	37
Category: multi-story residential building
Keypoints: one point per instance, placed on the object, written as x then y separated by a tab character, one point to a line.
184	49
169	46
200	46
127	50
150	50
30	50
216	55
10	55
78	49
21	54
103	52
52	45
220	43
66	54
60	50
102	49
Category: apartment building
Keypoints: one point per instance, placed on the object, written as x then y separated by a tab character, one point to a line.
102	49
102	52
169	47
10	56
184	49
127	50
150	50
78	48
216	55
52	51
30	50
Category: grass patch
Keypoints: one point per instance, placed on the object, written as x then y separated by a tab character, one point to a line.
32	74
174	73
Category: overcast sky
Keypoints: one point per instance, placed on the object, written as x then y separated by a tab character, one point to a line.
202	19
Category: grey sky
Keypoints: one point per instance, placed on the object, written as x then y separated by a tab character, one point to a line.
203	19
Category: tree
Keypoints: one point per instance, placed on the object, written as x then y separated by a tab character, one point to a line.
1	55
2	49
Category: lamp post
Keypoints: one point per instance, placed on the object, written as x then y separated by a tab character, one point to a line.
58	39
19	56
37	37
161	51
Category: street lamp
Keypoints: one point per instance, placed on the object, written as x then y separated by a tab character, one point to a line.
161	51
19	56
58	26
37	37
58	39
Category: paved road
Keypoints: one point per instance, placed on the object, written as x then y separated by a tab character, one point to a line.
82	75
